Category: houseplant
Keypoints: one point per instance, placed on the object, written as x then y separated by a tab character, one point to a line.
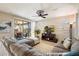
37	32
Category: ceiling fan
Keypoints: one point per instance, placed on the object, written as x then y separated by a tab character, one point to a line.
42	12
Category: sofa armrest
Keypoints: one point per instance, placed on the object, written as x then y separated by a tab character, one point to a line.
59	45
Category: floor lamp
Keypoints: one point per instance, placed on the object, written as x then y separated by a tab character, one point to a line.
70	31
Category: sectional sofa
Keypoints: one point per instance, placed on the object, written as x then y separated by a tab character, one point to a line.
22	48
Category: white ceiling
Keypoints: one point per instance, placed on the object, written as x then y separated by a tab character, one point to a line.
28	10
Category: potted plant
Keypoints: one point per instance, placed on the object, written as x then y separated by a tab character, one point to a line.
37	32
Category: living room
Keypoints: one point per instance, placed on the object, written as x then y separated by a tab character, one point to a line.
42	29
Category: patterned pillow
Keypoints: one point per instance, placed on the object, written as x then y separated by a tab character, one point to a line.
67	43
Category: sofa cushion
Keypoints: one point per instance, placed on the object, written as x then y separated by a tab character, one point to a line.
35	39
75	46
59	45
58	50
74	40
20	49
30	41
26	41
23	50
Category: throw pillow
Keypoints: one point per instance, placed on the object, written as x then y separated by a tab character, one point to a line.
67	43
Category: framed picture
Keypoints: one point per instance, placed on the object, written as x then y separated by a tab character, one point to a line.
5	26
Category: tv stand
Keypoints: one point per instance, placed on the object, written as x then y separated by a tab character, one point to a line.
49	37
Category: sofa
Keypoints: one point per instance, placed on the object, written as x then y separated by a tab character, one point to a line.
20	48
73	49
23	49
16	48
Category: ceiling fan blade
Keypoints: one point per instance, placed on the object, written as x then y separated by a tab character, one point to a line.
44	14
35	16
43	17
